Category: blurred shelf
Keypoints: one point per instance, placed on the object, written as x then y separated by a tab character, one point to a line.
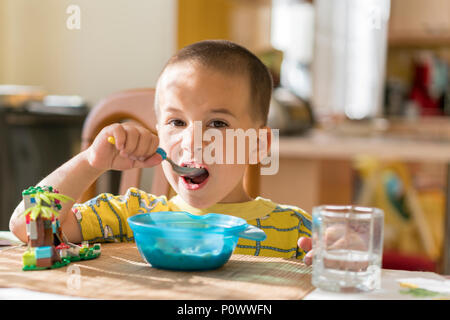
333	144
417	41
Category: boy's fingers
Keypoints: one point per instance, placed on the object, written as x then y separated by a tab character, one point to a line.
308	258
120	136
305	243
153	145
154	160
148	162
132	140
143	145
334	233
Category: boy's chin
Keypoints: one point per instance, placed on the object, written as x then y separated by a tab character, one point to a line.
196	200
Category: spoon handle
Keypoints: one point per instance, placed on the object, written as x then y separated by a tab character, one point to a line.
162	153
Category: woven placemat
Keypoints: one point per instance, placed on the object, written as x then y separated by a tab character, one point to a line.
121	273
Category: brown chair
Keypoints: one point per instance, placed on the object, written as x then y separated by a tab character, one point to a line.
137	105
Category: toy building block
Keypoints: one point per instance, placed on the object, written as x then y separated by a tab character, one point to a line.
55	225
74	251
32	230
44	262
37	239
43	256
28	196
55	255
84	247
47	224
62	250
97	248
43	252
29	258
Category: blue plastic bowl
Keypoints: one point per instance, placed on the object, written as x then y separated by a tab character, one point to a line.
182	241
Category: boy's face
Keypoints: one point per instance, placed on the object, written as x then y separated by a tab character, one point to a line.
187	93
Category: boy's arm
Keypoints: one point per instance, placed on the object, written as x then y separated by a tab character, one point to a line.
71	179
135	148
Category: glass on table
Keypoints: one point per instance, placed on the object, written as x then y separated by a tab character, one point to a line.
348	244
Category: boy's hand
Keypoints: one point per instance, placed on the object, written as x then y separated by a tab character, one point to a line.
336	237
306	244
135	147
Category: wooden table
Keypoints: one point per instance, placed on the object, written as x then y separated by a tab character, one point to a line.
120	273
317	168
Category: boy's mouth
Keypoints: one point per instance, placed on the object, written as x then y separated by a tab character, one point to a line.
196	182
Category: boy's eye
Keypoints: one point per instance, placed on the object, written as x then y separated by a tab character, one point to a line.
176	123
217	124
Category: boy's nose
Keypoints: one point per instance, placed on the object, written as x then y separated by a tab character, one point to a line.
191	142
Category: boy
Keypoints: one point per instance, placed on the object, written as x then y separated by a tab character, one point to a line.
224	86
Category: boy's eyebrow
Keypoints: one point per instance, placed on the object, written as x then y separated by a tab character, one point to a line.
219	110
172	109
223	110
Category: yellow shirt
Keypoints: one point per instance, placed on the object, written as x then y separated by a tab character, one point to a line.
104	218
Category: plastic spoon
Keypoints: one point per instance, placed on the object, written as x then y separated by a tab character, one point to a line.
183	171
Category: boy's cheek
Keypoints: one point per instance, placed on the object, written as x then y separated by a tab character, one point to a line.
171	143
170	175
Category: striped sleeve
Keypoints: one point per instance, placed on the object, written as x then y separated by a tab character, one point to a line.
283	227
302	226
304	229
104	218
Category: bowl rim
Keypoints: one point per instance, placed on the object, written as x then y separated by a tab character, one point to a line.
215	230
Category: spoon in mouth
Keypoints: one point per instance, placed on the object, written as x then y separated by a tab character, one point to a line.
182	171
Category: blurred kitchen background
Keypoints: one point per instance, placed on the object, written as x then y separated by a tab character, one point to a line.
361	97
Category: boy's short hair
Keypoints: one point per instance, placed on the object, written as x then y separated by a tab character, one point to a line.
231	58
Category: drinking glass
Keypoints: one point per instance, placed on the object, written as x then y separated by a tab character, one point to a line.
348	247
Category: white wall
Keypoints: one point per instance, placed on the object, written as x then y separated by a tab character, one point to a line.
121	44
2	39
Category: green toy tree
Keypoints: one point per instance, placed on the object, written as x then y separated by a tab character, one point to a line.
43	207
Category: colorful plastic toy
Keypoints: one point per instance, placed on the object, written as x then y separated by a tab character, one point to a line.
48	248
